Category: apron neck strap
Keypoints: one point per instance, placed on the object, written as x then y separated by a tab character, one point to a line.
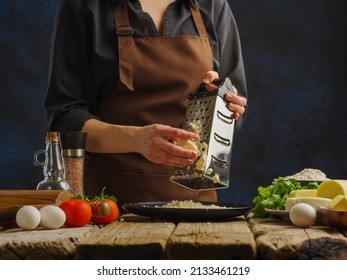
124	33
121	20
199	24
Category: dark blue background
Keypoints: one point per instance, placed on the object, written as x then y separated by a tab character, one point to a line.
295	61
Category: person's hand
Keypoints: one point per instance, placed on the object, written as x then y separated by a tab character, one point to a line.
236	104
155	142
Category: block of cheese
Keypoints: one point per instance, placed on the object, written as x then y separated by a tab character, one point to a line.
301	193
339	203
313	201
188	144
332	188
201	163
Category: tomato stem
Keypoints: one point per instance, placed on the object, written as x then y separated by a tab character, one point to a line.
102	195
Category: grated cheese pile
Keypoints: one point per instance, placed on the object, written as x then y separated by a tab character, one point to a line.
309	174
189	204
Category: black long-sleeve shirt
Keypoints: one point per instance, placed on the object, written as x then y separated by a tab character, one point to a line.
84	52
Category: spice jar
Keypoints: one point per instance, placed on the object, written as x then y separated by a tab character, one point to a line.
73	151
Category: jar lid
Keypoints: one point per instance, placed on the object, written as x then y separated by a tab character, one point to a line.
73	140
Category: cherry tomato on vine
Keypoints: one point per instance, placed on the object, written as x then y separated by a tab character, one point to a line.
78	212
104	211
104	208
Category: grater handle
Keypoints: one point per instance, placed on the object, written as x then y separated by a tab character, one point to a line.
225	87
216	82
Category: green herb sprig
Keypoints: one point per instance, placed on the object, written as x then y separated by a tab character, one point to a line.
275	195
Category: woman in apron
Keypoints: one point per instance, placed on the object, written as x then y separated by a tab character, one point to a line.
160	52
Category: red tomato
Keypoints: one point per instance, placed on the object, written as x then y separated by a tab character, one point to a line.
105	211
78	212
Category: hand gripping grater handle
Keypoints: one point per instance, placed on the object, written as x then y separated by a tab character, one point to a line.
208	116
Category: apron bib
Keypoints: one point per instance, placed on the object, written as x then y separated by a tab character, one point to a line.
156	75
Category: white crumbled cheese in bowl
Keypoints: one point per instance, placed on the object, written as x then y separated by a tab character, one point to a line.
308	174
189	204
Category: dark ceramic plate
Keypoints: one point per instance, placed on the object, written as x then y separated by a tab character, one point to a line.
155	210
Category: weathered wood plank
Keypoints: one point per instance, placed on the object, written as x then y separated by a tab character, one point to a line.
134	238
41	244
277	239
218	240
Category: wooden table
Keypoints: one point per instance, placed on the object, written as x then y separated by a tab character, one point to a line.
135	237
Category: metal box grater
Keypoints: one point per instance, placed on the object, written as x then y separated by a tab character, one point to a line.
208	116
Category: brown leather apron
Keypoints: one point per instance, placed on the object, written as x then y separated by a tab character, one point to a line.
156	76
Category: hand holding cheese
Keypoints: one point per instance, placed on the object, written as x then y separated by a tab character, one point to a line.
188	144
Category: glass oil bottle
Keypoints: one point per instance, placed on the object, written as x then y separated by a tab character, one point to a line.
53	165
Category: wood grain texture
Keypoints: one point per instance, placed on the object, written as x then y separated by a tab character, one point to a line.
41	244
220	240
140	238
277	239
13	198
137	238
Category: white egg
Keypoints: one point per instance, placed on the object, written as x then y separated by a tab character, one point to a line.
303	215
52	217
28	217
